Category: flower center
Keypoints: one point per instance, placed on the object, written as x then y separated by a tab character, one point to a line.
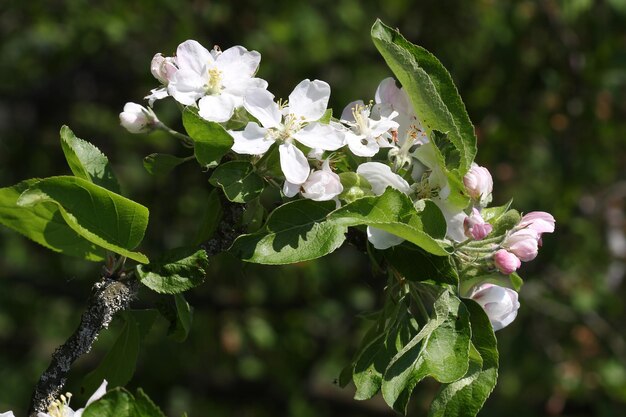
214	84
284	133
361	114
59	407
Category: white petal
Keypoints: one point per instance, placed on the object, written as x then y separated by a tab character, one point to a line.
382	126
318	135
348	112
155	94
293	163
102	389
242	86
290	190
454	219
380	177
381	239
186	87
386	91
192	56
309	99
260	103
251	141
218	108
237	63
361	146
426	155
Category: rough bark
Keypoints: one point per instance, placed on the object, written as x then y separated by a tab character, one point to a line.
108	297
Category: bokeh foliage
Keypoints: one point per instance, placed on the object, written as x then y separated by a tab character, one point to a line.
543	81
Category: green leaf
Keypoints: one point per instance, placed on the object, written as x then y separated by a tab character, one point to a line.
118	365
416	264
440	350
326	117
253	215
492	214
374	357
394	212
87	162
98	215
115	403
294	232
161	164
44	224
145	406
431	90
238	180
211	141
516	281
465	397
184	317
210	218
177	271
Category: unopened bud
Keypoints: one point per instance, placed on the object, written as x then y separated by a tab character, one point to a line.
475	226
500	303
506	262
138	119
479	184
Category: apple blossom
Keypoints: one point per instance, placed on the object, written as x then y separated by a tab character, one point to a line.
219	80
137	119
7	414
500	303
523	243
539	221
163	69
366	136
506	262
61	407
298	121
322	185
479	184
475	226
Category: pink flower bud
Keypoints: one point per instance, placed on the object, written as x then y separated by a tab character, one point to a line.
539	221
322	185
475	226
479	184
137	119
524	244
163	68
500	304
506	262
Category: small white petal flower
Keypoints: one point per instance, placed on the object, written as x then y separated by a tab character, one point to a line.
7	414
138	119
366	136
61	408
222	77
295	122
163	68
290	189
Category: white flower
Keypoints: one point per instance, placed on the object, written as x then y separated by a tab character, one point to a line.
138	119
218	79
500	304
380	177
295	122
7	414
389	98
61	407
366	136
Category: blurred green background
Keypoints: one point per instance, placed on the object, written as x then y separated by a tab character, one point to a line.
543	81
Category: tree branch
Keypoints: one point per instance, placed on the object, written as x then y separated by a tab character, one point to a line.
108	297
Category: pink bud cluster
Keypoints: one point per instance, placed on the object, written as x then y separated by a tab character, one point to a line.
524	241
475	226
